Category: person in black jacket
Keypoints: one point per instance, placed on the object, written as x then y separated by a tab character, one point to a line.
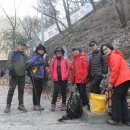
98	68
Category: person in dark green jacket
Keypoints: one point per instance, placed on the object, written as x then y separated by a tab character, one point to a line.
17	65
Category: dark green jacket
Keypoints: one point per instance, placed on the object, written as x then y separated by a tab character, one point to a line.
17	61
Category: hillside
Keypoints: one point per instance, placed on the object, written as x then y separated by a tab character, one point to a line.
103	26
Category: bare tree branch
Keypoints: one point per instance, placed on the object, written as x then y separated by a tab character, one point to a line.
55	17
25	29
51	17
7	16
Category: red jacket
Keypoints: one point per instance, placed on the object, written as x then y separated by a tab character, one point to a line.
65	68
119	71
79	69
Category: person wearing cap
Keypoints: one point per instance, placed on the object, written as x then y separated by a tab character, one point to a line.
79	75
60	70
17	65
98	68
37	74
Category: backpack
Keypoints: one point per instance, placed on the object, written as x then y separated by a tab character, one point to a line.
74	107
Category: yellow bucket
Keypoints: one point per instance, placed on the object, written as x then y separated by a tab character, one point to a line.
97	102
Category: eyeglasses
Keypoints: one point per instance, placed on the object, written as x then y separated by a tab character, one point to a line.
104	49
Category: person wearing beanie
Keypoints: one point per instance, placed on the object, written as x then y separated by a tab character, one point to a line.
17	65
59	69
79	75
37	70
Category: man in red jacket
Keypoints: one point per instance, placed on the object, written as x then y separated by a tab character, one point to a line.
80	73
59	69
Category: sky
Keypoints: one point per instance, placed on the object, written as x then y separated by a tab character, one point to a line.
23	7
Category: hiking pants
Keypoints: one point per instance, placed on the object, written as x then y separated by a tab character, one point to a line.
59	86
82	91
37	90
95	84
120	110
14	81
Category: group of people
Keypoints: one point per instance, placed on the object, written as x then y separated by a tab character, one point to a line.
83	70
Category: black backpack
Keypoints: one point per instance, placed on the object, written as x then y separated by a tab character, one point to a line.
74	107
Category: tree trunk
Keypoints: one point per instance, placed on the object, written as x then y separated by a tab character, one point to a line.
93	4
14	38
120	8
55	18
67	13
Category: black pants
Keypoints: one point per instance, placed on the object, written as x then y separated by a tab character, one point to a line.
14	81
95	83
82	91
59	86
120	110
37	90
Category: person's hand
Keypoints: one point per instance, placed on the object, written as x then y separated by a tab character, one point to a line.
72	84
110	86
12	73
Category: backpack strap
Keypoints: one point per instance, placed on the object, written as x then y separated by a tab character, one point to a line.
15	56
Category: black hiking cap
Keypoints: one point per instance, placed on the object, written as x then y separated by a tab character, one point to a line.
76	48
59	49
92	43
40	47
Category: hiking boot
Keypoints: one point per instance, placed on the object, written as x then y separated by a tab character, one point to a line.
112	122
126	122
63	107
7	108
53	107
36	108
22	108
41	108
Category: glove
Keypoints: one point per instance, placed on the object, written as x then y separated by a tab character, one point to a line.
104	76
28	67
12	73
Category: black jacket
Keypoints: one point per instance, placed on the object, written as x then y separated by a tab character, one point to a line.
97	63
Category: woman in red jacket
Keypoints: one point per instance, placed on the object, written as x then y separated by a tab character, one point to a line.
59	69
120	82
79	74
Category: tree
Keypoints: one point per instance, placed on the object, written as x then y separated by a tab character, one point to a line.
47	9
120	8
13	23
55	15
31	26
67	12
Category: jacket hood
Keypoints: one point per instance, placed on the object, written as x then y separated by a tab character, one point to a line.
117	52
55	57
79	54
